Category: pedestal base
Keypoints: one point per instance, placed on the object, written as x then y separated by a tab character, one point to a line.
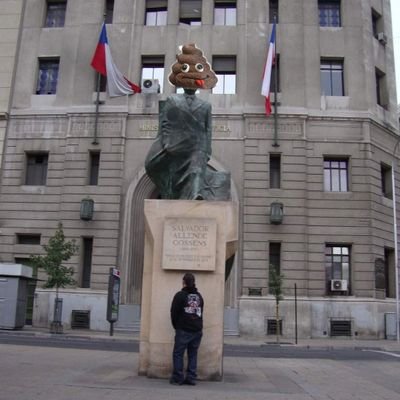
170	239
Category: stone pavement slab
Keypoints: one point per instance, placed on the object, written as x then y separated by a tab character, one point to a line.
45	373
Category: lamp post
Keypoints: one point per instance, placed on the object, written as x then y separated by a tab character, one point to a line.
396	256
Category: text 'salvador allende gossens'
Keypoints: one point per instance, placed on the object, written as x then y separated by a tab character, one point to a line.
189	235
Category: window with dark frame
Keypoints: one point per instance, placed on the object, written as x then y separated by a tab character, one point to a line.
190	12
87	251
47	76
94	157
337	266
390	279
274	259
336	175
375	17
55	14
103	83
153	68
30	290
329	13
36	169
273	11
225	12
28	238
225	69
386	181
275	69
156	12
331	72
109	11
381	93
274	171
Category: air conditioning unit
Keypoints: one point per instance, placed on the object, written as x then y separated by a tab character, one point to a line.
150	86
382	38
338	285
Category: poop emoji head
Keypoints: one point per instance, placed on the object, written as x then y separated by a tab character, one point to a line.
191	70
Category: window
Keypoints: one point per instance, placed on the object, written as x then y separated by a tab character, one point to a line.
377	23
274	171
48	76
274	259
102	83
273	11
87	246
329	13
390	279
190	12
336	175
36	169
109	11
331	77
28	238
30	290
55	14
94	167
225	69
386	181
153	68
225	13
337	266
275	69
381	92
156	12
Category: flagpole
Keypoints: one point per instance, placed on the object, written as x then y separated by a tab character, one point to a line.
96	115
275	144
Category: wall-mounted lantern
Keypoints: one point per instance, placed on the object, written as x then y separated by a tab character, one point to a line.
276	215
87	209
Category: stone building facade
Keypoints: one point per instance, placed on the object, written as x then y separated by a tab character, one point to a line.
10	19
326	164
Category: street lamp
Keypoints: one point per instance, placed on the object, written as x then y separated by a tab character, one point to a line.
396	262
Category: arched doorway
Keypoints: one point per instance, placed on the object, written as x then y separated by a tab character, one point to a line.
132	252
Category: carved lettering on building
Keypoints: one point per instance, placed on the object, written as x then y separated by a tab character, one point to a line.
149	129
189	244
85	126
264	127
39	127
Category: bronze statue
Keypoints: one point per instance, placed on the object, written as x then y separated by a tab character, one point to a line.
177	160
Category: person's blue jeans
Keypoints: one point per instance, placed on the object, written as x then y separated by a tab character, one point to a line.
190	341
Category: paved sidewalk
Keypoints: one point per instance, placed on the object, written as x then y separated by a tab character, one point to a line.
46	373
322	343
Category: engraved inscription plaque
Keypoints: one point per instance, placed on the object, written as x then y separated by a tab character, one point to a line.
189	244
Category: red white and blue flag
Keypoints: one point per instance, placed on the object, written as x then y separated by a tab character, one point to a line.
266	84
102	62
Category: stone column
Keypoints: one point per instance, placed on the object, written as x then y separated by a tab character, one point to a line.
182	236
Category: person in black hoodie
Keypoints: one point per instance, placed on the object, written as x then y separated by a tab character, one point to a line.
187	320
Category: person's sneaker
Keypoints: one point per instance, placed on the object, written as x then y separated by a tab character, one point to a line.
189	382
174	382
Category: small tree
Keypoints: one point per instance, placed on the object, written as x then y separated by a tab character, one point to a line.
276	289
58	250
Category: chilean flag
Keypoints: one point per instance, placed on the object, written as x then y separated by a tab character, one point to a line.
103	63
266	84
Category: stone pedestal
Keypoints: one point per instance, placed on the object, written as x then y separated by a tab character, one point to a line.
183	236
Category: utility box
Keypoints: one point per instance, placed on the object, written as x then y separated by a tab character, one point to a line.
13	295
390	326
